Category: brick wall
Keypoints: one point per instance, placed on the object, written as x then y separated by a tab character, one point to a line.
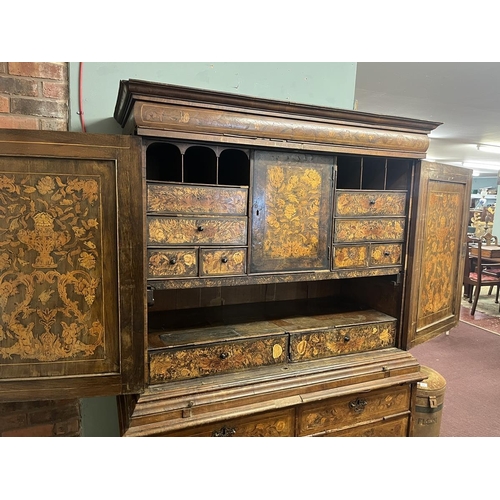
34	95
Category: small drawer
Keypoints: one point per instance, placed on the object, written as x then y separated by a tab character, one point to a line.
350	256
228	261
350	230
343	340
191	231
196	200
347	411
268	424
225	357
386	255
352	204
172	263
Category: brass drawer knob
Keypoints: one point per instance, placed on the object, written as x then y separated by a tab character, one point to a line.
224	260
387	253
173	260
224	432
200	228
347	338
372	201
224	355
358	405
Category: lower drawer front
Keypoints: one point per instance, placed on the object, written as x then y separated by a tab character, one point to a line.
270	424
336	341
350	256
396	427
172	263
347	411
386	255
229	261
181	364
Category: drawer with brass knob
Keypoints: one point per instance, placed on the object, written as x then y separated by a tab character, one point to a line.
352	410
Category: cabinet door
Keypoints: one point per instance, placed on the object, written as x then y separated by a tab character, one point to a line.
71	279
436	250
291	212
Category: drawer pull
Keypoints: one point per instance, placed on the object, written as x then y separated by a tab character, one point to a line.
224	260
387	253
224	432
224	355
347	338
200	228
173	260
372	201
358	405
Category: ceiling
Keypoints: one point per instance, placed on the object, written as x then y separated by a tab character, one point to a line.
463	96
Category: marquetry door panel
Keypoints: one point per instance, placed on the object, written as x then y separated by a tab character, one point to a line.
68	291
291	212
436	266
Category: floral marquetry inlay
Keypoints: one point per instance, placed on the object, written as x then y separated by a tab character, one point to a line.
50	267
292	203
440	253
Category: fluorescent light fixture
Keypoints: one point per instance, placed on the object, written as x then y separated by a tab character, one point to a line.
488	148
475	173
481	166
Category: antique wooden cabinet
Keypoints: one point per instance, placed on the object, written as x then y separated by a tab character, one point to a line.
230	266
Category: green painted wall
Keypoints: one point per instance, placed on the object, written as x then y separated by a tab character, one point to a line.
329	84
325	84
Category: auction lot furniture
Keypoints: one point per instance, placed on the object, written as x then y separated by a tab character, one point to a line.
230	266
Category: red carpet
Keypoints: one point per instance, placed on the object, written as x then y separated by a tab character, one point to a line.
469	359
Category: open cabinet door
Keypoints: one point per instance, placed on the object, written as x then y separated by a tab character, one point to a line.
71	270
438	231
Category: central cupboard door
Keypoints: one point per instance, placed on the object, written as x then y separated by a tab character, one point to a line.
291	212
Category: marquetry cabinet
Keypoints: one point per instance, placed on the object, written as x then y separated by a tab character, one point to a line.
229	266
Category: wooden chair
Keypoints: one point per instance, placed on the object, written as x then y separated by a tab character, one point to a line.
477	273
489	239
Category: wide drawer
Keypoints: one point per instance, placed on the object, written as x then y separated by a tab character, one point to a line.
202	231
172	263
229	261
394	427
224	357
269	424
344	412
344	340
387	229
191	199
352	204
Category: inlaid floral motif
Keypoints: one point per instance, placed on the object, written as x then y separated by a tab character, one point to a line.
50	267
172	263
358	204
347	230
292	205
197	199
322	344
199	362
227	261
180	230
440	250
